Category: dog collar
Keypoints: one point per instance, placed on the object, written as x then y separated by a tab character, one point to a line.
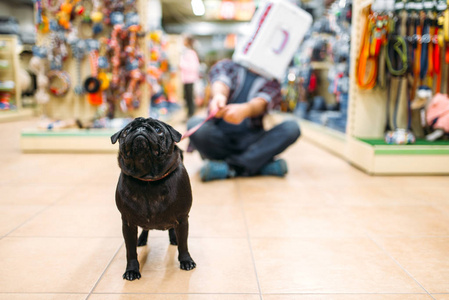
172	168
157	178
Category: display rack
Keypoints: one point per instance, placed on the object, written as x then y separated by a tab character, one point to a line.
68	141
9	71
76	107
362	145
366	125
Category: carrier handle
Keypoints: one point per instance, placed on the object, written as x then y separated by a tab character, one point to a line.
284	42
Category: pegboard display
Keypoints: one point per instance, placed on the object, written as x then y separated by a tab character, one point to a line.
90	59
400	60
364	145
367	146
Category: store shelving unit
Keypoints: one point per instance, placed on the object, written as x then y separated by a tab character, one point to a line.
362	145
73	106
366	122
68	141
9	71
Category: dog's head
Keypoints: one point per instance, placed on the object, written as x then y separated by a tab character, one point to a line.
147	148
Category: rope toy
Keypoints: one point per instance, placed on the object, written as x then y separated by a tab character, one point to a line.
115	60
130	97
61	77
79	48
37	66
58	51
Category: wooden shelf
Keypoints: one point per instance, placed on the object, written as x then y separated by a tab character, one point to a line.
398	159
380	159
11	73
68	141
15	115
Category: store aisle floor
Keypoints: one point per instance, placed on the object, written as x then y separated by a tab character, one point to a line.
326	231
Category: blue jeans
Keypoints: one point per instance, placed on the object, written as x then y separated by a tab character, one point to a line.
248	150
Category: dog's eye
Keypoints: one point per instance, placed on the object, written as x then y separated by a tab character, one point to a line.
158	130
125	132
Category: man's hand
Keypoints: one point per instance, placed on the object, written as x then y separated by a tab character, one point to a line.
235	113
217	103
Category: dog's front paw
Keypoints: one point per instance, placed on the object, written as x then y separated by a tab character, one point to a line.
132	270
188	265
131	275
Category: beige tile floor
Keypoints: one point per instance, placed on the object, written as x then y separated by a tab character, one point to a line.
326	231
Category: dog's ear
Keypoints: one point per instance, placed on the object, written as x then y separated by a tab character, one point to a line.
115	137
176	136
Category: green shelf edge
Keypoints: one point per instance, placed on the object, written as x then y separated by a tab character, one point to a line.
438	148
88	133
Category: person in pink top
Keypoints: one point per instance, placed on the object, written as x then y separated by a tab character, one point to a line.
190	67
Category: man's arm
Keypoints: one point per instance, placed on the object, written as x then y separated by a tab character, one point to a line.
236	113
256	106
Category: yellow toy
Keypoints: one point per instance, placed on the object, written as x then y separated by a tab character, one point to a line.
63	15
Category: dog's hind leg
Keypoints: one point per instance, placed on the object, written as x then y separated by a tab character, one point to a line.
182	232
172	236
143	238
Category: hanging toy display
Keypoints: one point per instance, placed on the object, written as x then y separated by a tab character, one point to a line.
104	33
160	77
59	80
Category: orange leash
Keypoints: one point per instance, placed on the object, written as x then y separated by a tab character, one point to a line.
430	70
367	80
417	58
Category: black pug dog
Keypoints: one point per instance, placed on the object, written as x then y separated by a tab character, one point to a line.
153	191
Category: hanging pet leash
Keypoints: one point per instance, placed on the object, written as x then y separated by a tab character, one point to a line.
396	51
192	130
364	80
